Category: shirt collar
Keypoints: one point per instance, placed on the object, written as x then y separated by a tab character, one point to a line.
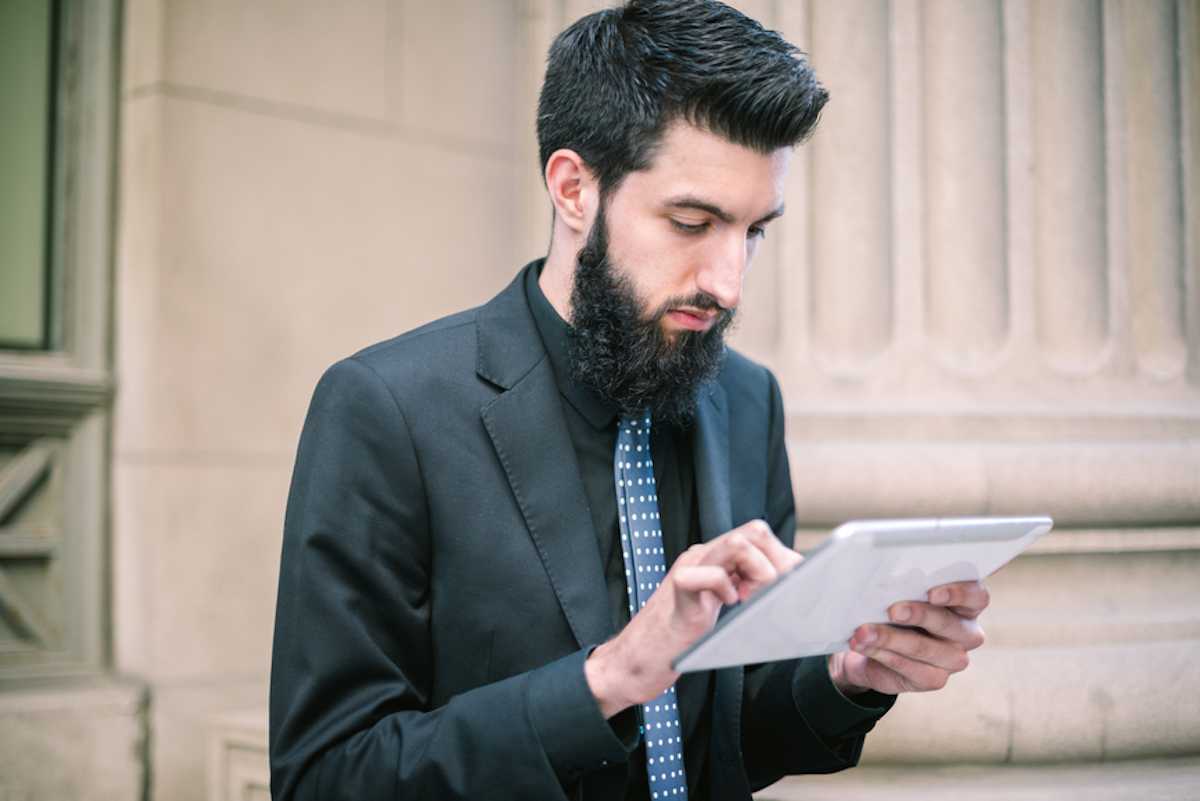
555	332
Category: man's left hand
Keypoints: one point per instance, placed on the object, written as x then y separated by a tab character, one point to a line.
928	642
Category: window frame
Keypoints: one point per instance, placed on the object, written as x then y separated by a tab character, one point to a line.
63	395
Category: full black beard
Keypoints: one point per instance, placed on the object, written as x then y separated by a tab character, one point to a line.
626	357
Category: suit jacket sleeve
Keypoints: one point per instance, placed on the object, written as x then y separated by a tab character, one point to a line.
351	672
794	720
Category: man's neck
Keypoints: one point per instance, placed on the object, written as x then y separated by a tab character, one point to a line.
555	281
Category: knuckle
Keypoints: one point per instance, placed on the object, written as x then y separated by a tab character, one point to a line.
890	659
883	636
738	540
962	663
885	657
761	528
922	649
940	677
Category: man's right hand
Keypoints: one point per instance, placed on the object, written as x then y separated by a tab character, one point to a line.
635	666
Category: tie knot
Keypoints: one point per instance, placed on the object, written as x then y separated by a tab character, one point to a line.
633	434
635	423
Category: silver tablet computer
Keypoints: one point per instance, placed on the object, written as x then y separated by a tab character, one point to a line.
852	578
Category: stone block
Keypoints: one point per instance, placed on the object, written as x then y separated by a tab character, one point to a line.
197	554
456	70
1031	705
142	58
1096	483
304	53
285	246
82	741
136	277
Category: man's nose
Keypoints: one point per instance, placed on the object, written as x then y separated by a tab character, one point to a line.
723	271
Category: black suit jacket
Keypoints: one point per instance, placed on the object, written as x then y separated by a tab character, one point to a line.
441	586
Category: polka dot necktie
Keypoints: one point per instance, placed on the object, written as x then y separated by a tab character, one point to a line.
645	566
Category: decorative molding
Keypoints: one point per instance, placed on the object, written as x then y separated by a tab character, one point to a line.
238	769
964	159
19	480
19	477
21	617
29	543
1080	541
51	390
919	423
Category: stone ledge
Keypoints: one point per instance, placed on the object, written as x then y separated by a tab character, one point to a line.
1145	780
1065	540
1092	484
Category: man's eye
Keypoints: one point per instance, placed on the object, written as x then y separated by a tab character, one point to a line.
756	232
689	228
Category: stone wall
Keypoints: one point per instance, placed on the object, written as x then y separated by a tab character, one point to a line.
299	179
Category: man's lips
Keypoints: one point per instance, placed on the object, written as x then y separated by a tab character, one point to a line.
693	319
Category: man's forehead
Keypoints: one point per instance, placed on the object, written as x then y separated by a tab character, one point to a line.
694	167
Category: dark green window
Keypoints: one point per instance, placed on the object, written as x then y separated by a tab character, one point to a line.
26	145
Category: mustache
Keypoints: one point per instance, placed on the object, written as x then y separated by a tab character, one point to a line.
701	300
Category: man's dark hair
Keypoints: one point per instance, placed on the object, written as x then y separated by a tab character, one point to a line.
617	78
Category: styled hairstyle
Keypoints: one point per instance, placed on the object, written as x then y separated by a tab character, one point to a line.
617	78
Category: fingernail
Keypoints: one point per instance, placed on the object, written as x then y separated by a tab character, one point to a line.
867	637
901	614
939	596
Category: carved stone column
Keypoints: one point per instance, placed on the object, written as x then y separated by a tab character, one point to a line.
988	301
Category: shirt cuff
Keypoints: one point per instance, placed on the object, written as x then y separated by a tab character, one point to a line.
832	715
567	719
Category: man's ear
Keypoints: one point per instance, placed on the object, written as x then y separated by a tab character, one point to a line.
573	189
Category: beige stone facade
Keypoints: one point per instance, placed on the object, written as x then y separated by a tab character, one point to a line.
984	299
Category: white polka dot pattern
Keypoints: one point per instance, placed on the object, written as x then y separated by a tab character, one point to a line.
645	566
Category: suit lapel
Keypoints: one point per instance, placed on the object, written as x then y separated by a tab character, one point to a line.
529	433
710	454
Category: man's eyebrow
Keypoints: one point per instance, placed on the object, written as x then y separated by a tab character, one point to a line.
776	212
693	202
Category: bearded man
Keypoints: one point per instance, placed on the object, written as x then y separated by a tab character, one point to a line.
504	525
